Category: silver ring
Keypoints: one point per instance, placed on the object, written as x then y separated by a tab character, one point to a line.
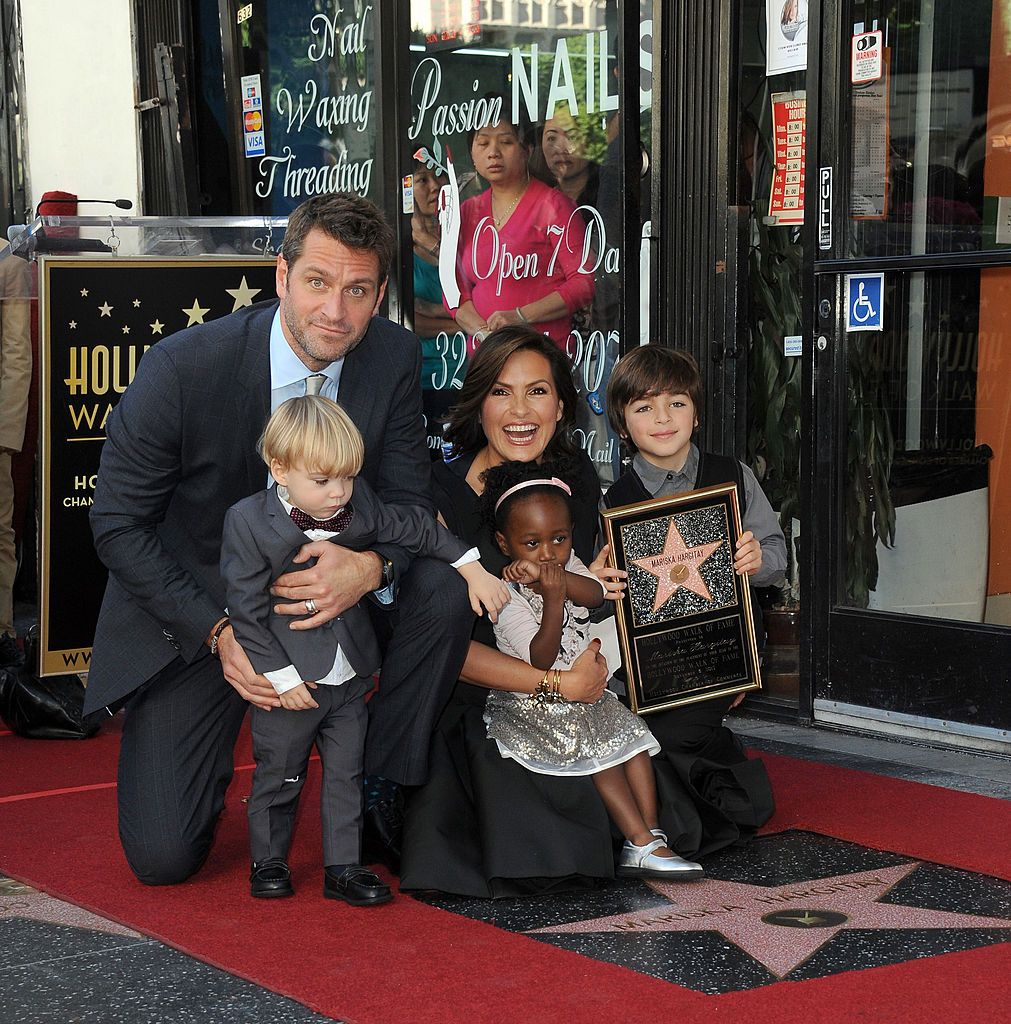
310	606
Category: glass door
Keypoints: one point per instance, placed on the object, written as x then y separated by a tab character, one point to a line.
521	105
911	419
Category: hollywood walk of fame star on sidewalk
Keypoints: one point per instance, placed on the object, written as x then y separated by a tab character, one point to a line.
782	926
677	566
22	901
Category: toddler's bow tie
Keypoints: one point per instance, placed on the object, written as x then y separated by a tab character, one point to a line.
335	524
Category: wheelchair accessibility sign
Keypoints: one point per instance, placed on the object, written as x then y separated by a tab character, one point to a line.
864	297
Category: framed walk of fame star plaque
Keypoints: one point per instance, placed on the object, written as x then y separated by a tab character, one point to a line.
684	621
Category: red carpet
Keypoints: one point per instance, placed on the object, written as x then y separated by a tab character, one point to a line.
408	962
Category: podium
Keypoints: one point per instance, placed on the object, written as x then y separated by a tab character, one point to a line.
100	292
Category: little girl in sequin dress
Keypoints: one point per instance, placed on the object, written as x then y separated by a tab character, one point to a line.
546	624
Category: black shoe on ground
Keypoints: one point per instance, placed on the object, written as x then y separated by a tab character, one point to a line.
357	886
10	654
382	828
270	879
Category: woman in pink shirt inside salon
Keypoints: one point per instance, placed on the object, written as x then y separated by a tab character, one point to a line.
523	255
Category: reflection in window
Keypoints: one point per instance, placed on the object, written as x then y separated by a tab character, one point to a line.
928	483
521	123
928	160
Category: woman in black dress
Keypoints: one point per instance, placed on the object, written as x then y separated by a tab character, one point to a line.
483	825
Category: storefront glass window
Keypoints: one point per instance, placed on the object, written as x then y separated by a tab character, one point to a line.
771	147
516	139
309	101
930	99
927	487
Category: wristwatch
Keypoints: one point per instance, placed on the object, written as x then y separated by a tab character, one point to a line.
388	574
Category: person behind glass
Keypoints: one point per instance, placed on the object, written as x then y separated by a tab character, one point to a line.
521	247
430	316
564	155
482	825
653	398
315	453
546	623
15	385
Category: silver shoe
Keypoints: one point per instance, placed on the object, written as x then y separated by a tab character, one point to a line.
641	862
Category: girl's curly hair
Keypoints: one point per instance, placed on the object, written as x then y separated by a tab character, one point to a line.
500	478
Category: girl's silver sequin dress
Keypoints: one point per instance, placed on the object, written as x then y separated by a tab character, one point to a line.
563	738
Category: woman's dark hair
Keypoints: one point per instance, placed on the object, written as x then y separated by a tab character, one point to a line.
521	124
463	428
500	478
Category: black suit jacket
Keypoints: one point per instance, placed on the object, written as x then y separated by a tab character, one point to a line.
180	450
259	544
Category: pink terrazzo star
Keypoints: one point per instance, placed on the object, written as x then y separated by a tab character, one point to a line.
21	901
783	926
677	566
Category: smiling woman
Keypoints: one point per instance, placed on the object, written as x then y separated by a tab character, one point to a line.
483	825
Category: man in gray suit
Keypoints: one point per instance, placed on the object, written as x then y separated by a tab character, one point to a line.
180	450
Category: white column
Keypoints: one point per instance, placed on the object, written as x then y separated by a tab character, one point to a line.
81	129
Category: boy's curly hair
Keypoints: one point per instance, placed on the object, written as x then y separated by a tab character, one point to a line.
500	478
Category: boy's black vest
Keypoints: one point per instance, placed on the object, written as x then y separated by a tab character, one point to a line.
713	470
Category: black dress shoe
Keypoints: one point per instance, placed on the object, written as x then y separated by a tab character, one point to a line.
270	879
382	828
357	886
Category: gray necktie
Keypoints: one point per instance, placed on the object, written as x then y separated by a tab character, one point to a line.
314	384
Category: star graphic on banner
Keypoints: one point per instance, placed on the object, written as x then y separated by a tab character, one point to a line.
136	303
105	309
126	329
195	313
243	295
72	325
21	901
156	327
781	926
84	293
677	566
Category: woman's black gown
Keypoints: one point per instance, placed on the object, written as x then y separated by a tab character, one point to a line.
485	826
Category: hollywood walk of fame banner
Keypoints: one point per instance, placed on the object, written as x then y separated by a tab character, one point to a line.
684	621
97	318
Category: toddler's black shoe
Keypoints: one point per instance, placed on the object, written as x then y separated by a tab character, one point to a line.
270	879
355	885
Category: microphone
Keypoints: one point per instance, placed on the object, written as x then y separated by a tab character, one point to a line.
123	204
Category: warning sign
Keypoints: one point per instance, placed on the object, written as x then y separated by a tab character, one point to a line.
866	62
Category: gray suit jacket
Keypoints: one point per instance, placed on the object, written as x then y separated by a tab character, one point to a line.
259	544
180	450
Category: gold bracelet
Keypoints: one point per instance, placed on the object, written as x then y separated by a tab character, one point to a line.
549	689
542	689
